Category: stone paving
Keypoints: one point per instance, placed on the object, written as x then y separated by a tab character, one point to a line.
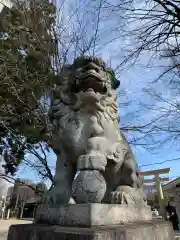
3	235
177	236
5	224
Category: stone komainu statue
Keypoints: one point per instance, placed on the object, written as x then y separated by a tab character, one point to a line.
86	138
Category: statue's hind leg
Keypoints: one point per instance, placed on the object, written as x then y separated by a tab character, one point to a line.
129	189
61	193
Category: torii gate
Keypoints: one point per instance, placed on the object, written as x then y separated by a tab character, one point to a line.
157	179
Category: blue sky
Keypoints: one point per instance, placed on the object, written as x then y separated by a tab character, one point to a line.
133	81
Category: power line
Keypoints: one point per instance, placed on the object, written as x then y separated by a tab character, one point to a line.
158	163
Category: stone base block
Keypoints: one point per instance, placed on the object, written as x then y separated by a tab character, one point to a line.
88	215
155	230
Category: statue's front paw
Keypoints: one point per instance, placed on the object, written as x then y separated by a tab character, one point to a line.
119	197
51	197
126	195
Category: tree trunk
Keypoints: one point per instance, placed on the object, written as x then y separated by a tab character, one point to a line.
22	209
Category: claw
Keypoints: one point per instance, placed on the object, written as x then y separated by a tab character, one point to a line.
126	195
119	197
116	197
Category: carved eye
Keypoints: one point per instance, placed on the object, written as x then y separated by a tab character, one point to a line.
101	68
98	69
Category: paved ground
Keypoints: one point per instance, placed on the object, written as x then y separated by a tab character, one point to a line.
3	236
4	226
176	236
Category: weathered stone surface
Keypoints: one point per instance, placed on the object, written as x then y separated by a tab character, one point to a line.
91	187
85	135
87	215
156	230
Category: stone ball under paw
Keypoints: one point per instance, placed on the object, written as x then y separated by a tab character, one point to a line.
90	187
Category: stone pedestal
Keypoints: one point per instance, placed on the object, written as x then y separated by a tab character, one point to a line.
153	230
90	215
92	222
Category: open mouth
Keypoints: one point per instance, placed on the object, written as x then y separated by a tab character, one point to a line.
92	86
91	82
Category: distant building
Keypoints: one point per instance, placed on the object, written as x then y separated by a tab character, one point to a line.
24	197
171	192
10	191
